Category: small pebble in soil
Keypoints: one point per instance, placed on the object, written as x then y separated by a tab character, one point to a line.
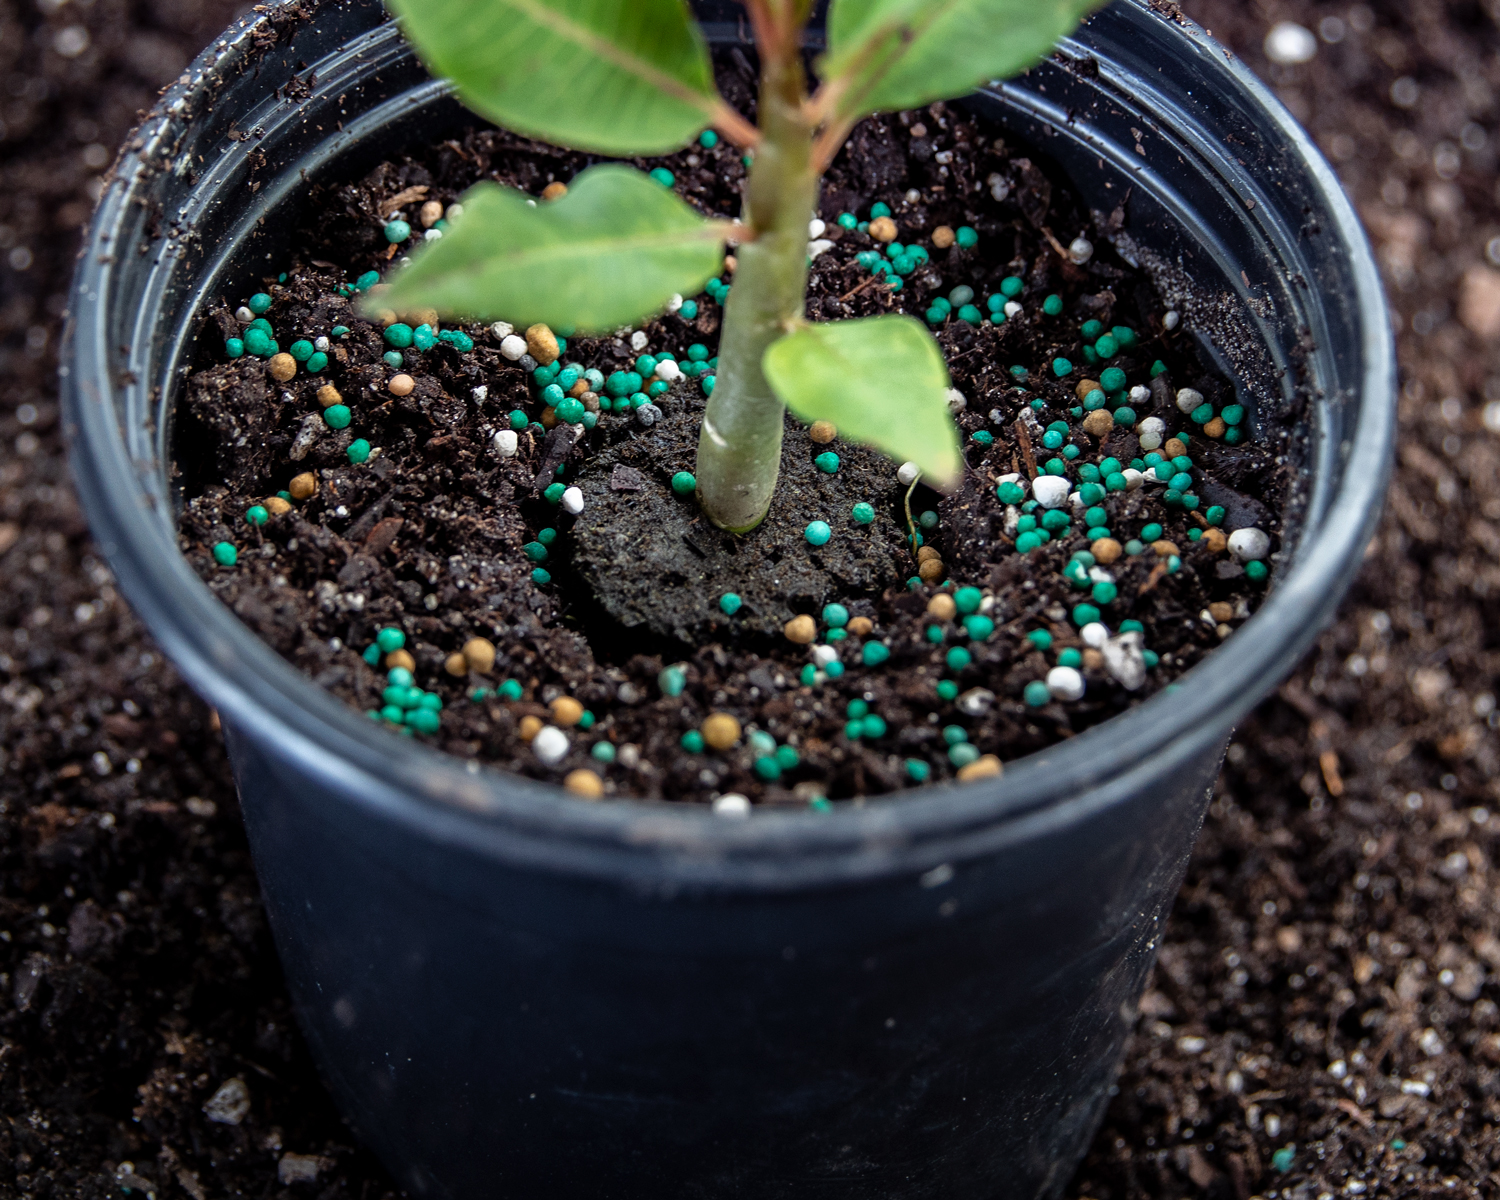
542	344
801	629
1249	545
549	744
1065	683
479	654
721	731
732	804
1051	491
584	783
986	766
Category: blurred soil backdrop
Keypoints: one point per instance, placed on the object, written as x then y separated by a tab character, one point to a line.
1324	1018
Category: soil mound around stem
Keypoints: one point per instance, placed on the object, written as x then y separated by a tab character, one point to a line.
655	562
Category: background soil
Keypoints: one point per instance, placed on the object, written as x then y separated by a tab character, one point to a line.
1327	984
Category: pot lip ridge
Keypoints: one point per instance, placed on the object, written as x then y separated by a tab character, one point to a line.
512	818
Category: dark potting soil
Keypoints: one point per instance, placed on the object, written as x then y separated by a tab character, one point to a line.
427	536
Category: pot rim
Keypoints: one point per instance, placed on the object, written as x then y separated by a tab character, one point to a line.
668	844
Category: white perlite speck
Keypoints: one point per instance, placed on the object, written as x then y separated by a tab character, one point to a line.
647	415
1014	308
507	442
820	246
230	1104
907	473
1051	491
999	189
975	702
322	344
1081	250
243	315
312	428
957	401
1123	660
550	745
572	501
480	394
502	329
815	228
513	347
638	340
1133	479
823	655
668	371
1188	399
1171	320
1094	634
1139	394
675	303
1249	545
1289	44
1152	432
299	1168
732	804
1065	683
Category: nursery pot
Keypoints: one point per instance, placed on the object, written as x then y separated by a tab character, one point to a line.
513	992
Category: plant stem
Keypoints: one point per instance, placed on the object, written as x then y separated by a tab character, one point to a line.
739	449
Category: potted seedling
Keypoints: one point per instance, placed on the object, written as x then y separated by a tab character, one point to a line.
510	989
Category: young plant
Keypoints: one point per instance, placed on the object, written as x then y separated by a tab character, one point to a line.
633	77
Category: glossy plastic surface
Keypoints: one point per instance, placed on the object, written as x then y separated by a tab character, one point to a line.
515	992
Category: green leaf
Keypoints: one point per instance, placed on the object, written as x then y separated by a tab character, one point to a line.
886	55
611	251
881	380
619	77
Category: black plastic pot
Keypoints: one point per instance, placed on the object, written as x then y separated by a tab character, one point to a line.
513	992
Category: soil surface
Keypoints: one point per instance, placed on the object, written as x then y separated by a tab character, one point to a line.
431	534
1325	1001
